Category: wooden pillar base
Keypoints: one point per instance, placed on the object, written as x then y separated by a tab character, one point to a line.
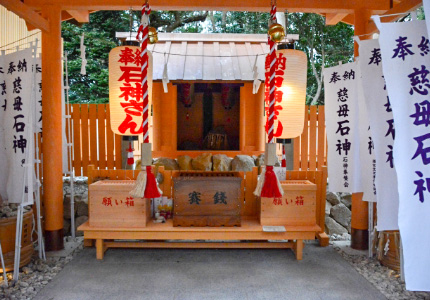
359	239
54	240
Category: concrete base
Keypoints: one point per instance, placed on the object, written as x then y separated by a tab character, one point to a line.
70	245
210	274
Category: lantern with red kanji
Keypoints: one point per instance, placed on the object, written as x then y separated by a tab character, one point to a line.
125	89
290	95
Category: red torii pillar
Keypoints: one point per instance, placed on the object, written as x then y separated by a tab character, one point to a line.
52	135
359	217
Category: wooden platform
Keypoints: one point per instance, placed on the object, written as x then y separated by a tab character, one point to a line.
164	235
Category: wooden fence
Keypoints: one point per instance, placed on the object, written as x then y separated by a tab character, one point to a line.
96	144
94	141
310	149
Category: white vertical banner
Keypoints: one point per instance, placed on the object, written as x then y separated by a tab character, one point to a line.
38	106
366	145
382	128
341	124
4	162
406	66
17	78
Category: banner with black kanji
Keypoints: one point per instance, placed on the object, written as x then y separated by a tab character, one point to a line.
16	87
342	131
4	163
366	145
406	66
382	129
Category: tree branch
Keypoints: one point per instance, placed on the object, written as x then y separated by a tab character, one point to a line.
180	22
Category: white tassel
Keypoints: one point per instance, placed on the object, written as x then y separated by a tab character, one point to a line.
83	57
165	78
260	182
139	188
256	83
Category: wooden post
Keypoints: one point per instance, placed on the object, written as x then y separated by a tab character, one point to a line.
359	216
52	135
259	119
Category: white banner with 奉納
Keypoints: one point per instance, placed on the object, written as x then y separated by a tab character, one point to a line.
342	131
406	66
381	122
16	106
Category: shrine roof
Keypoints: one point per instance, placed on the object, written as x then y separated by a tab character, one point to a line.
195	56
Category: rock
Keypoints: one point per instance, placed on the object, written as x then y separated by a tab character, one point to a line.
341	214
184	162
66	227
78	222
84	197
67	207
159	178
346	200
221	162
328	207
81	208
242	163
203	162
259	160
332	198
168	163
27	270
138	165
332	227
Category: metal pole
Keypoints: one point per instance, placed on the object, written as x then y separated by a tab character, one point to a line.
70	149
370	251
3	266
18	242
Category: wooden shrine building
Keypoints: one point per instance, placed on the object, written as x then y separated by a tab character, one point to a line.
47	16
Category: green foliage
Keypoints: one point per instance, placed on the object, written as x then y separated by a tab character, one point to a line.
99	40
324	45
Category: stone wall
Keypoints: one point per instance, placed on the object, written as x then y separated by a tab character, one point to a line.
338	215
209	162
81	203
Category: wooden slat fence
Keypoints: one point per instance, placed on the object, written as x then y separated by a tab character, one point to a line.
94	141
310	149
96	144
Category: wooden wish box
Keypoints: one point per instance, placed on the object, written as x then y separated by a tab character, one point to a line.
110	205
296	207
207	201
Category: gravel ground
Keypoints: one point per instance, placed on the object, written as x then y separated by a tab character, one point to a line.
387	281
39	273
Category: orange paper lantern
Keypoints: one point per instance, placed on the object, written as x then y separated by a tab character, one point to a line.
125	90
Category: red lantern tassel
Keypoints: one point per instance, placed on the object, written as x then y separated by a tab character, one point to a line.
151	189
271	185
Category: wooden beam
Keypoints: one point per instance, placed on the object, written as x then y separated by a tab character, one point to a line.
315	6
349	19
64	17
82	16
25	12
404	6
333	19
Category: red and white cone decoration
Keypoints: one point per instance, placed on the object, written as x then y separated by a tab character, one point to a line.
146	185
284	160
130	156
268	185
